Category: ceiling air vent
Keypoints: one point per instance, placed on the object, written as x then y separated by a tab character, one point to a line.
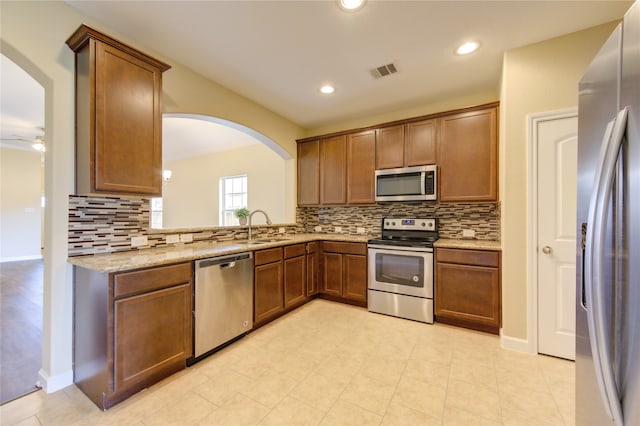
384	70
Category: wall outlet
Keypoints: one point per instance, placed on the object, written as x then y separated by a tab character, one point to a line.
172	239
139	241
360	230
338	229
468	233
281	230
186	238
317	229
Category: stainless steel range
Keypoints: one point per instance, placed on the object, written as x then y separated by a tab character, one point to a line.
401	269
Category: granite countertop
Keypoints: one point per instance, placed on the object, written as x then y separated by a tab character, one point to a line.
468	244
135	259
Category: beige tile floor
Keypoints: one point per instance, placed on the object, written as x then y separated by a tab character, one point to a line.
333	364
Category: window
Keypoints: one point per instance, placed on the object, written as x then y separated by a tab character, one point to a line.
233	195
156	213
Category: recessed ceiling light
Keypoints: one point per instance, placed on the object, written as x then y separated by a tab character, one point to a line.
468	47
327	89
351	5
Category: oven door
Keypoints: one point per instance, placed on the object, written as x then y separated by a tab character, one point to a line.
401	270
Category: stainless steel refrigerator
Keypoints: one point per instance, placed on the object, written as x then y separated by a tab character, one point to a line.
608	254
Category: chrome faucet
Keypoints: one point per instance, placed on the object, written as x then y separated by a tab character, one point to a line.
251	215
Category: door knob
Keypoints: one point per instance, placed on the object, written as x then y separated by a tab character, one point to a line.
546	250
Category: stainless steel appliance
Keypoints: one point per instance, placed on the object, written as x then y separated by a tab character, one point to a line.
407	184
401	269
608	260
223	301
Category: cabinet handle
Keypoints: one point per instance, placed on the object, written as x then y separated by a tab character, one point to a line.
546	250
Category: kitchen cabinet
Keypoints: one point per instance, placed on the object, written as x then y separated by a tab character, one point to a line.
295	291
118	116
309	173
361	163
467	288
333	170
344	271
406	145
131	329
313	267
268	289
468	156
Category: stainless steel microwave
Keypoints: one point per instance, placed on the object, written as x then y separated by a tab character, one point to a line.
407	184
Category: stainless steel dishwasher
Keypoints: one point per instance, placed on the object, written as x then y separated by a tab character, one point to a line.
223	301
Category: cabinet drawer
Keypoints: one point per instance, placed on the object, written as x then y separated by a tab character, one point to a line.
313	247
267	256
346	248
468	257
129	283
294	250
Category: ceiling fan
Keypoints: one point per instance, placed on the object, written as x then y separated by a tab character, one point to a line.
24	143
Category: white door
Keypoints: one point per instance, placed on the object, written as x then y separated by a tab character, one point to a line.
556	183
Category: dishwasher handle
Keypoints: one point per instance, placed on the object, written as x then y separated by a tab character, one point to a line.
228	261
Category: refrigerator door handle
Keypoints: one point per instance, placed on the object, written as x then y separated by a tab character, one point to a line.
594	248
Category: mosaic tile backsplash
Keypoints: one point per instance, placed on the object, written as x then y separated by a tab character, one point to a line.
484	219
107	224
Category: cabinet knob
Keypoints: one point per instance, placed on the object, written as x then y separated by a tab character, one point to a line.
546	250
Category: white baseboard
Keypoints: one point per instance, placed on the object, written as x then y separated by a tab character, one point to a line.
20	258
52	384
515	344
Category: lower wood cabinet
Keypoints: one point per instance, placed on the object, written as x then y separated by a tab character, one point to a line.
279	281
295	291
467	288
313	268
131	329
344	271
268	289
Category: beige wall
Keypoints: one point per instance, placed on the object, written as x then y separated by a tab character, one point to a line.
439	105
20	207
191	198
536	78
33	36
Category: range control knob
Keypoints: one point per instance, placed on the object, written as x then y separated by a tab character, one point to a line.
423	224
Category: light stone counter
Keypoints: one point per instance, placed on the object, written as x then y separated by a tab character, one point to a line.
135	259
468	244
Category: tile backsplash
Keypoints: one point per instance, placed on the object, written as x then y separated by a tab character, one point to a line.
483	218
107	224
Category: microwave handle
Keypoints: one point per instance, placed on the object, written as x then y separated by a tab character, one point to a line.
423	182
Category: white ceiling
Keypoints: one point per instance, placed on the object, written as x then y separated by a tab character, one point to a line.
278	53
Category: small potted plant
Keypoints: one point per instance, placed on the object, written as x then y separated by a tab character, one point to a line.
242	214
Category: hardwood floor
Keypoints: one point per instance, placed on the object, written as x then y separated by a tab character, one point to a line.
20	327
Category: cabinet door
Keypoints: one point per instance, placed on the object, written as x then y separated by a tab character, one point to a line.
355	277
420	143
128	133
268	297
468	156
333	168
312	268
390	147
152	334
309	173
332	276
294	281
468	293
361	164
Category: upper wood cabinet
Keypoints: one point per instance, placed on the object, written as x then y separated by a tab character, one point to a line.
118	116
333	170
405	145
468	156
361	164
309	173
